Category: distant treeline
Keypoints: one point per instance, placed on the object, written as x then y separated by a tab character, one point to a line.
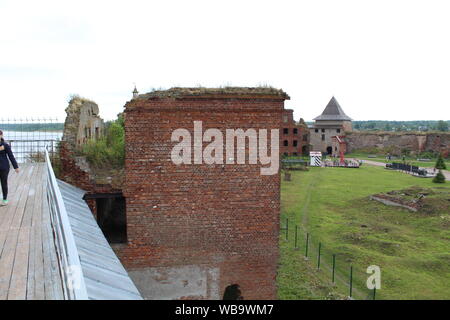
418	125
28	127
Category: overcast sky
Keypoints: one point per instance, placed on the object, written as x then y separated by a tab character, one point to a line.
381	59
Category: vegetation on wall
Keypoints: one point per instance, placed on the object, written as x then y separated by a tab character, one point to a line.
109	150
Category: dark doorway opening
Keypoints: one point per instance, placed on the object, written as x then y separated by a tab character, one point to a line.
111	216
233	292
329	150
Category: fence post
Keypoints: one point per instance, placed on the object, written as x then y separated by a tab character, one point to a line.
334	265
351	280
307	242
318	256
295	245
374	292
287	228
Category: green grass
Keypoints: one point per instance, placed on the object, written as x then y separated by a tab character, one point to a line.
332	204
409	160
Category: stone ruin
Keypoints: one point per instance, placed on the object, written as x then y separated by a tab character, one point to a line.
82	122
417	199
398	142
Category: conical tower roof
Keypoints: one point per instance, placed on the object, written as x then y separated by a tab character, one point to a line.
333	111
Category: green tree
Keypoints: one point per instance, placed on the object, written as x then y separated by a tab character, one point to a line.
109	150
387	127
442	125
440	164
440	178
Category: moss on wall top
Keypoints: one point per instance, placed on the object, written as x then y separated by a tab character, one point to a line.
180	92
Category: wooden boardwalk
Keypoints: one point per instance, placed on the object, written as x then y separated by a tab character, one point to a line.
28	261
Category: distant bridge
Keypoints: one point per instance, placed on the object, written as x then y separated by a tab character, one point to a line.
51	246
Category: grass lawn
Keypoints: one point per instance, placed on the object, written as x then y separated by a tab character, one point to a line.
409	160
332	204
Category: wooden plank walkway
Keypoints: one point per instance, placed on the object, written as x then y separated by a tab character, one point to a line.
28	261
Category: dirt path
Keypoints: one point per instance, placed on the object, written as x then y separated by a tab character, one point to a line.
446	174
374	163
309	188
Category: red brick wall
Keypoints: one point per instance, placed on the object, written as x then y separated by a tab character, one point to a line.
222	216
70	172
73	174
290	137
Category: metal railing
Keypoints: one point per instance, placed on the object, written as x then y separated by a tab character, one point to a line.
29	136
69	260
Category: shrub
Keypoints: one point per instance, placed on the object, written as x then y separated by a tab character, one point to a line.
109	150
440	178
369	150
440	164
427	155
405	151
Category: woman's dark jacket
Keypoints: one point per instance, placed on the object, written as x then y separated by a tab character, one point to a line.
4	155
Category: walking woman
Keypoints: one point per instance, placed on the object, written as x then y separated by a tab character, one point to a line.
5	154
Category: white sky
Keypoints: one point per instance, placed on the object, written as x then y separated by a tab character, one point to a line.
381	59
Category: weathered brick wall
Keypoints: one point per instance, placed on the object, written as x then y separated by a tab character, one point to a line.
70	170
399	141
289	123
223	218
75	172
82	118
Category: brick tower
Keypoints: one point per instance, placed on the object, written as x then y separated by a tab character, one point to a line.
194	229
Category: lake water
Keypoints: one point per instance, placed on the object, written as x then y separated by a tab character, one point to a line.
24	144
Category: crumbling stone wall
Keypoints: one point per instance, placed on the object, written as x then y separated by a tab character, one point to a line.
82	123
396	142
195	229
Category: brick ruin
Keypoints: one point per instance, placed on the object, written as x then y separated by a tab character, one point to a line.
82	123
103	185
194	229
294	136
398	142
191	231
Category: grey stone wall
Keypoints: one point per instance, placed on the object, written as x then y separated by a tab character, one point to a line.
82	122
399	141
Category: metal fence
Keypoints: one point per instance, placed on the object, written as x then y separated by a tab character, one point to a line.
407	168
28	137
335	269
